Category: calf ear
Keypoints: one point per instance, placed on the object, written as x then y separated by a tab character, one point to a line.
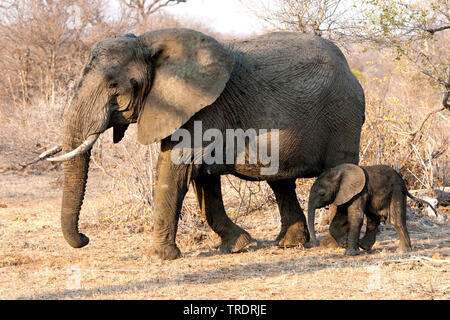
351	182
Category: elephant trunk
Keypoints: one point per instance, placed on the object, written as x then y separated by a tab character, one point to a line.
311	216
75	178
81	130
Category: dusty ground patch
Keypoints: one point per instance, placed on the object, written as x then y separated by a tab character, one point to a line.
36	262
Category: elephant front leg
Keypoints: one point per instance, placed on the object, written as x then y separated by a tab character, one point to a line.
170	190
340	224
338	232
355	220
293	222
209	195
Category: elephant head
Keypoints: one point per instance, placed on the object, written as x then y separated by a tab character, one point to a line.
159	80
335	186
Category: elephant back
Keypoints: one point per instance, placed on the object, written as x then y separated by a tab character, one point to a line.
292	62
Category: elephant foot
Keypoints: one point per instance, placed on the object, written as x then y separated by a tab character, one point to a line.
342	242
293	236
329	242
312	244
404	249
235	242
352	251
166	252
365	244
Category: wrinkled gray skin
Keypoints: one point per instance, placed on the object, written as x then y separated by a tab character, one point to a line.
167	79
378	191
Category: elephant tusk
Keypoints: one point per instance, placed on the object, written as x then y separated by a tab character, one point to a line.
82	148
50	152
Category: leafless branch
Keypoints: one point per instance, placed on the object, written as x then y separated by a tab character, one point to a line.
434	30
419	129
145	8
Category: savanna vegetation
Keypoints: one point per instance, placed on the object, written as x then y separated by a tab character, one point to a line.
397	49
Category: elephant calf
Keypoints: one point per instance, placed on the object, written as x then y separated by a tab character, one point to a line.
378	191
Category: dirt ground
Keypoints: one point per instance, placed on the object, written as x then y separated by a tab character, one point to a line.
37	263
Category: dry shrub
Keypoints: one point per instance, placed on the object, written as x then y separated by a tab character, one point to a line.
129	168
46	43
29	130
243	198
396	105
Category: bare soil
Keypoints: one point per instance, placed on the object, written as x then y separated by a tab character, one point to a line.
37	263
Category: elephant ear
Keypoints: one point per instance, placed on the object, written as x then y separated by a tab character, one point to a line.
190	71
352	181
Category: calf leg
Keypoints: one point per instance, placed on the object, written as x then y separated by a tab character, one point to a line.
355	219
397	216
367	242
341	223
339	226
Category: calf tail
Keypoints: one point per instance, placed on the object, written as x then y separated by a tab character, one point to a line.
422	201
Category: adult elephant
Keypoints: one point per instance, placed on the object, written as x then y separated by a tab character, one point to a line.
168	79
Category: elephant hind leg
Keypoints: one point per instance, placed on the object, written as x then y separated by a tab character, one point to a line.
209	195
293	222
397	217
367	242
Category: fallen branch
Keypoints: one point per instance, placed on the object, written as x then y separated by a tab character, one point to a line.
425	261
44	155
435	260
115	214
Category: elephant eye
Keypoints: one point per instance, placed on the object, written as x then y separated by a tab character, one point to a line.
321	192
123	102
